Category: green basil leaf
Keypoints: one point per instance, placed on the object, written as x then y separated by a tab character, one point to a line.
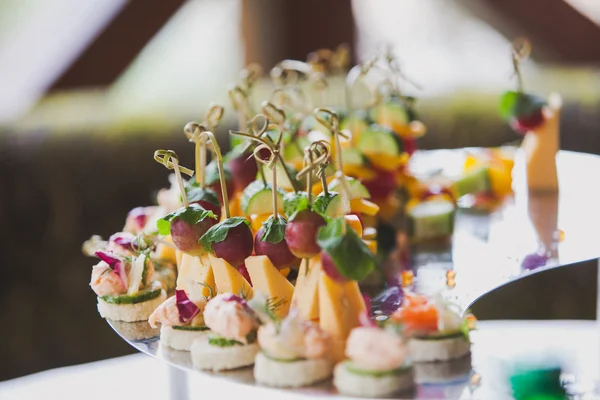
197	194
294	202
507	104
517	104
274	230
349	253
217	233
192	214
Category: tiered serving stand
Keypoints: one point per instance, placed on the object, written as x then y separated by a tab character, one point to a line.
486	252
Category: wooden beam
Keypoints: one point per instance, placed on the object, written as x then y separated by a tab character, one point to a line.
274	30
557	30
118	44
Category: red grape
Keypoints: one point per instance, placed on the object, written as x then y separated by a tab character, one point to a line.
329	268
237	246
207	205
217	188
527	122
301	234
244	170
244	272
279	253
186	236
382	185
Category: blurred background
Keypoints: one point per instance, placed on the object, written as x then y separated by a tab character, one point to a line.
89	89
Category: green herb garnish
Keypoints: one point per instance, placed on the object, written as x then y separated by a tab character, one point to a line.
274	230
515	104
218	232
205	194
192	215
190	328
349	253
295	202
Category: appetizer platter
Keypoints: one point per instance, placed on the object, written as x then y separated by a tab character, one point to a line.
324	253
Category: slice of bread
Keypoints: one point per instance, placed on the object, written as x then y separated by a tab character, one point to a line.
359	385
214	358
438	349
291	374
180	339
130	312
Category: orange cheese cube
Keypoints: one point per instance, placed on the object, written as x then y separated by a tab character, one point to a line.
178	257
267	280
256	221
340	306
364	206
306	292
228	279
285	272
372	245
166	251
387	162
354	223
359	172
193	271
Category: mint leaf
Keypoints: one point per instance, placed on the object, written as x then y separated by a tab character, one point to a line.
274	230
198	194
192	214
321	203
294	202
517	104
349	253
217	233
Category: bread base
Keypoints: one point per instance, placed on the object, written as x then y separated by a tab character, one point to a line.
353	384
438	349
291	374
130	312
180	339
215	358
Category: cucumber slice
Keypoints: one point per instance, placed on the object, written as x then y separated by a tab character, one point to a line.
379	140
355	124
133	299
476	181
257	199
393	112
294	201
444	335
330	205
378	374
357	189
282	180
190	328
352	156
431	219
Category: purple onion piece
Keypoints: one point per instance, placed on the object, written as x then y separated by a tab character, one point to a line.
187	309
123	239
108	258
139	215
388	301
534	261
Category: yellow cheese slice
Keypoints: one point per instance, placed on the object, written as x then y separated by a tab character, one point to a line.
228	279
166	251
178	257
340	306
372	245
267	280
194	270
306	292
364	206
540	147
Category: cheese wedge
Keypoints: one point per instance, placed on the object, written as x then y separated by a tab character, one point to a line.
166	251
178	257
306	292
540	147
267	280
228	279
354	223
364	206
193	270
340	306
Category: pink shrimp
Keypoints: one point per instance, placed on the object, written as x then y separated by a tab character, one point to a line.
105	281
165	314
317	343
228	318
375	349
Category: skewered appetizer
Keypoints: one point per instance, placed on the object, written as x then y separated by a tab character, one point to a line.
436	328
294	352
126	287
181	320
378	364
232	341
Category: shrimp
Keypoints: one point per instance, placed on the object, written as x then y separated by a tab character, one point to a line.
105	281
375	349
317	342
165	314
230	319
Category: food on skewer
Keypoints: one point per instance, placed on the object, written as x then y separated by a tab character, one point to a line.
437	329
127	288
378	364
293	352
232	341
